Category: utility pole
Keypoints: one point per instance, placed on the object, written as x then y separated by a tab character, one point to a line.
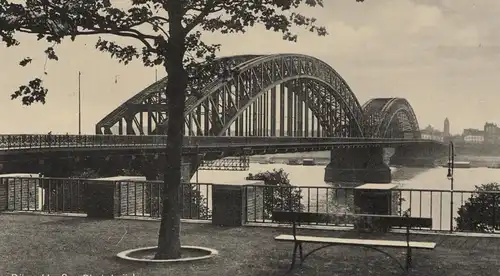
79	104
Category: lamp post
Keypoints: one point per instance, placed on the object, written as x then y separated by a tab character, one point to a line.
79	104
451	166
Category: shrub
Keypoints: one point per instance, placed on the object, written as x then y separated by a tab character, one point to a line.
481	212
282	196
195	205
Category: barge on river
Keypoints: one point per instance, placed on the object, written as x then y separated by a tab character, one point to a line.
459	164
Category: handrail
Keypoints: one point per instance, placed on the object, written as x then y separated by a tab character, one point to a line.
30	141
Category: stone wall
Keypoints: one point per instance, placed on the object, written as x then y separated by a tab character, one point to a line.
3	194
23	194
132	198
254	198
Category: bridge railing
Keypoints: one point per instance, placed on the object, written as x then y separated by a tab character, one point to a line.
60	141
33	141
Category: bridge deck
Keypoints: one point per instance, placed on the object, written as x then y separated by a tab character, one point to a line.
22	143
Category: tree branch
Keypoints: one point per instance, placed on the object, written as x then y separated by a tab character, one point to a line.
124	33
198	19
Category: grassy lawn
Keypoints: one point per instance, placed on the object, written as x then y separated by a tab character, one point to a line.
32	245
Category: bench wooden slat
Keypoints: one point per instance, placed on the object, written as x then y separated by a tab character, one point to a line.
381	243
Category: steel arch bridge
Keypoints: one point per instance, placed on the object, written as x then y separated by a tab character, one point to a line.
390	118
279	95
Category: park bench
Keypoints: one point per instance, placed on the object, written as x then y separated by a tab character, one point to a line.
381	220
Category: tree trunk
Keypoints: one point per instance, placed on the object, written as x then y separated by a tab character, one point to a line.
169	234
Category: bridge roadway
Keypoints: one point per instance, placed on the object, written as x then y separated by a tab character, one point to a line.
35	143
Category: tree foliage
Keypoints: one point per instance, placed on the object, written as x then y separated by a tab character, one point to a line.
481	212
149	22
278	194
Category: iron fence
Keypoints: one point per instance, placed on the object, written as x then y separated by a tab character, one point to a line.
454	211
458	210
68	195
145	199
469	211
38	194
261	200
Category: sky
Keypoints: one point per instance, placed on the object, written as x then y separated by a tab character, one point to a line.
441	55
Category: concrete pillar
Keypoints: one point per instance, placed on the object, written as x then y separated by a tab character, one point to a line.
102	199
374	198
20	192
3	194
357	165
378	199
227	205
186	169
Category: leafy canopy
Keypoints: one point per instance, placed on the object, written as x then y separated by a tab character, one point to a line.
147	22
481	212
277	194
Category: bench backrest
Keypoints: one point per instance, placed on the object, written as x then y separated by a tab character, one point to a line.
388	220
401	221
298	217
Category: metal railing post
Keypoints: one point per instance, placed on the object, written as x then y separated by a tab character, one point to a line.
494	222
451	166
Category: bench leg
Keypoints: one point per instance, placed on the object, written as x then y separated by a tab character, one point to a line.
408	259
294	254
301	254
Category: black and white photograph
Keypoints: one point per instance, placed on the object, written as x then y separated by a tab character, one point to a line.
249	137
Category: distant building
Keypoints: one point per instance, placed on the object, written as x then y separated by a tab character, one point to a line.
491	133
446	129
473	136
456	138
431	133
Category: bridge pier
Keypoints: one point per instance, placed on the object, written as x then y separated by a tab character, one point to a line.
422	156
357	165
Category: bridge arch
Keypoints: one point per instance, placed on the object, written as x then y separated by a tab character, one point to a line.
390	118
152	101
238	103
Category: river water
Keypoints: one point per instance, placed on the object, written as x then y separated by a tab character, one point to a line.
433	202
409	178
